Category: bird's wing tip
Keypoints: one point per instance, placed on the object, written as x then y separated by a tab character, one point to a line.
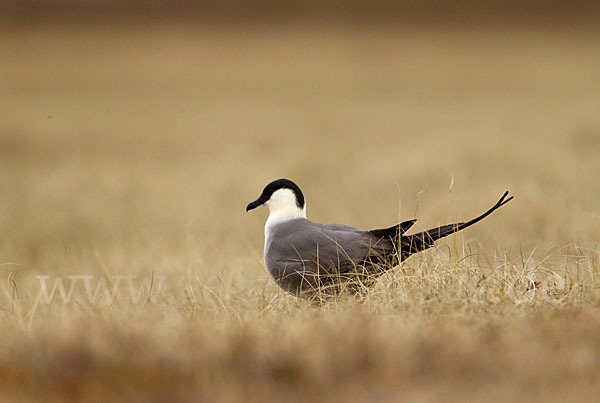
503	200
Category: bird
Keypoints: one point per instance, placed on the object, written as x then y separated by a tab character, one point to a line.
315	261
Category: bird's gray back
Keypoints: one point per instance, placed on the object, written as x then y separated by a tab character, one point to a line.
301	254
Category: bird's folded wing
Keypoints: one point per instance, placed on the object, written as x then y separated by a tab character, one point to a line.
328	249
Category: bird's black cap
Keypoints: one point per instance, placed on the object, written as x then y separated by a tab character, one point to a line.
272	188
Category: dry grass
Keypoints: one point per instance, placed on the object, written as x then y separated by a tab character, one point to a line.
133	149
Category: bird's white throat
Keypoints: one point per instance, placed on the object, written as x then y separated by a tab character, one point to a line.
282	207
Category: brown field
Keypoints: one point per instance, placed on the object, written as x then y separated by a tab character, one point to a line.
132	150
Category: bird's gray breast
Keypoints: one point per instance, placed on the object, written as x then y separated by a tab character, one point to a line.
299	253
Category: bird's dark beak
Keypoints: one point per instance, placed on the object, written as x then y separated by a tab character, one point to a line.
253	205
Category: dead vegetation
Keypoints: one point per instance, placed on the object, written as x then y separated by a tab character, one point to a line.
128	153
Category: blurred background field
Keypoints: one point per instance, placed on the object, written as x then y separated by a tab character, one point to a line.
132	136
